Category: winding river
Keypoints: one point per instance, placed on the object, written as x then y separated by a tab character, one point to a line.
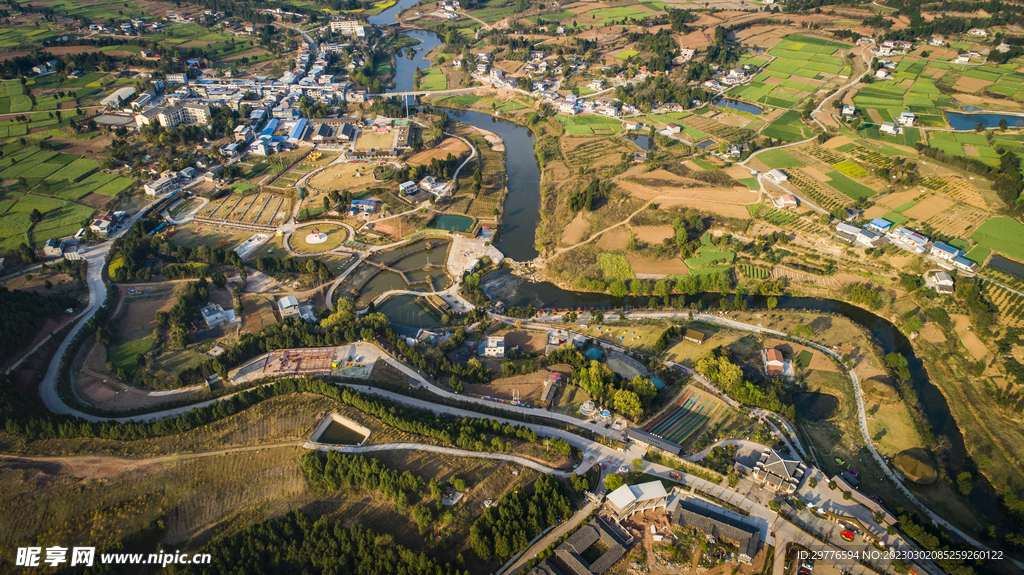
518	235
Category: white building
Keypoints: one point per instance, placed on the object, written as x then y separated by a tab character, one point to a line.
778	175
977	32
630	499
160	186
906	119
890	128
215	315
493	347
348	28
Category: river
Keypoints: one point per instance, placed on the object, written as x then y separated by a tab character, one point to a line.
518	235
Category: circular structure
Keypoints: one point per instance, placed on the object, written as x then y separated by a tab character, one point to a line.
315	237
915	465
606	414
588	408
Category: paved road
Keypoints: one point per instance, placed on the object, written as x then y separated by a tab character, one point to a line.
525	462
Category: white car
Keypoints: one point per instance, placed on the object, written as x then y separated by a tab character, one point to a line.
623	469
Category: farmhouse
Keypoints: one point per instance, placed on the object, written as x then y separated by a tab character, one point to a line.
870	238
906	119
407	188
288	306
882	73
695	336
492	347
774	364
633	125
629	499
908	236
847	231
945	251
965	264
215	315
106	223
365	207
785	201
890	128
943	282
849	110
53	248
880	225
778	473
777	175
714	521
977	32
673	129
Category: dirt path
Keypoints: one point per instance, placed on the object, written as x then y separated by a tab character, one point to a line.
105	466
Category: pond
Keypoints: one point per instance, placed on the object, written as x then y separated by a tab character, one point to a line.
706	144
961	121
737	105
452	223
658	382
403	309
593	353
815	406
645	142
1008	266
339	434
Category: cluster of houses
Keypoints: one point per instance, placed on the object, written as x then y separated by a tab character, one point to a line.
880	231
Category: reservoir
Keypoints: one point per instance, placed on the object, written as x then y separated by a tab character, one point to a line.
1008	266
737	105
961	121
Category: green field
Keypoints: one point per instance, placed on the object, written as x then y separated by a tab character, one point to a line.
778	159
788	128
626	54
433	79
850	169
979	254
1003	235
122	354
579	125
615	266
848	186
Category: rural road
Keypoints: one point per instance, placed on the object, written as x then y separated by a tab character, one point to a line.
525	462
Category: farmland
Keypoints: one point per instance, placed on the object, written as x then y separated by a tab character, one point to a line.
1002	235
694	411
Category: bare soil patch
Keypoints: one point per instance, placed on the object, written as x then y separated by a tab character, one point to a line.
875	212
453	146
968	84
968	337
932	333
728	210
529	387
898	199
646	266
836	142
525	340
653	234
614	239
929	207
573	233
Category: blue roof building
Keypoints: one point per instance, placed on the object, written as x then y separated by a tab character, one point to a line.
270	128
966	264
945	251
297	131
880	225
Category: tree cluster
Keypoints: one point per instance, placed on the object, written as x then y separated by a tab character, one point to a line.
506	528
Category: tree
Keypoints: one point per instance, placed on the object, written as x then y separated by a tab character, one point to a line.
638	465
619	289
628	404
813	482
597	317
35	217
613	482
965	483
772	302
